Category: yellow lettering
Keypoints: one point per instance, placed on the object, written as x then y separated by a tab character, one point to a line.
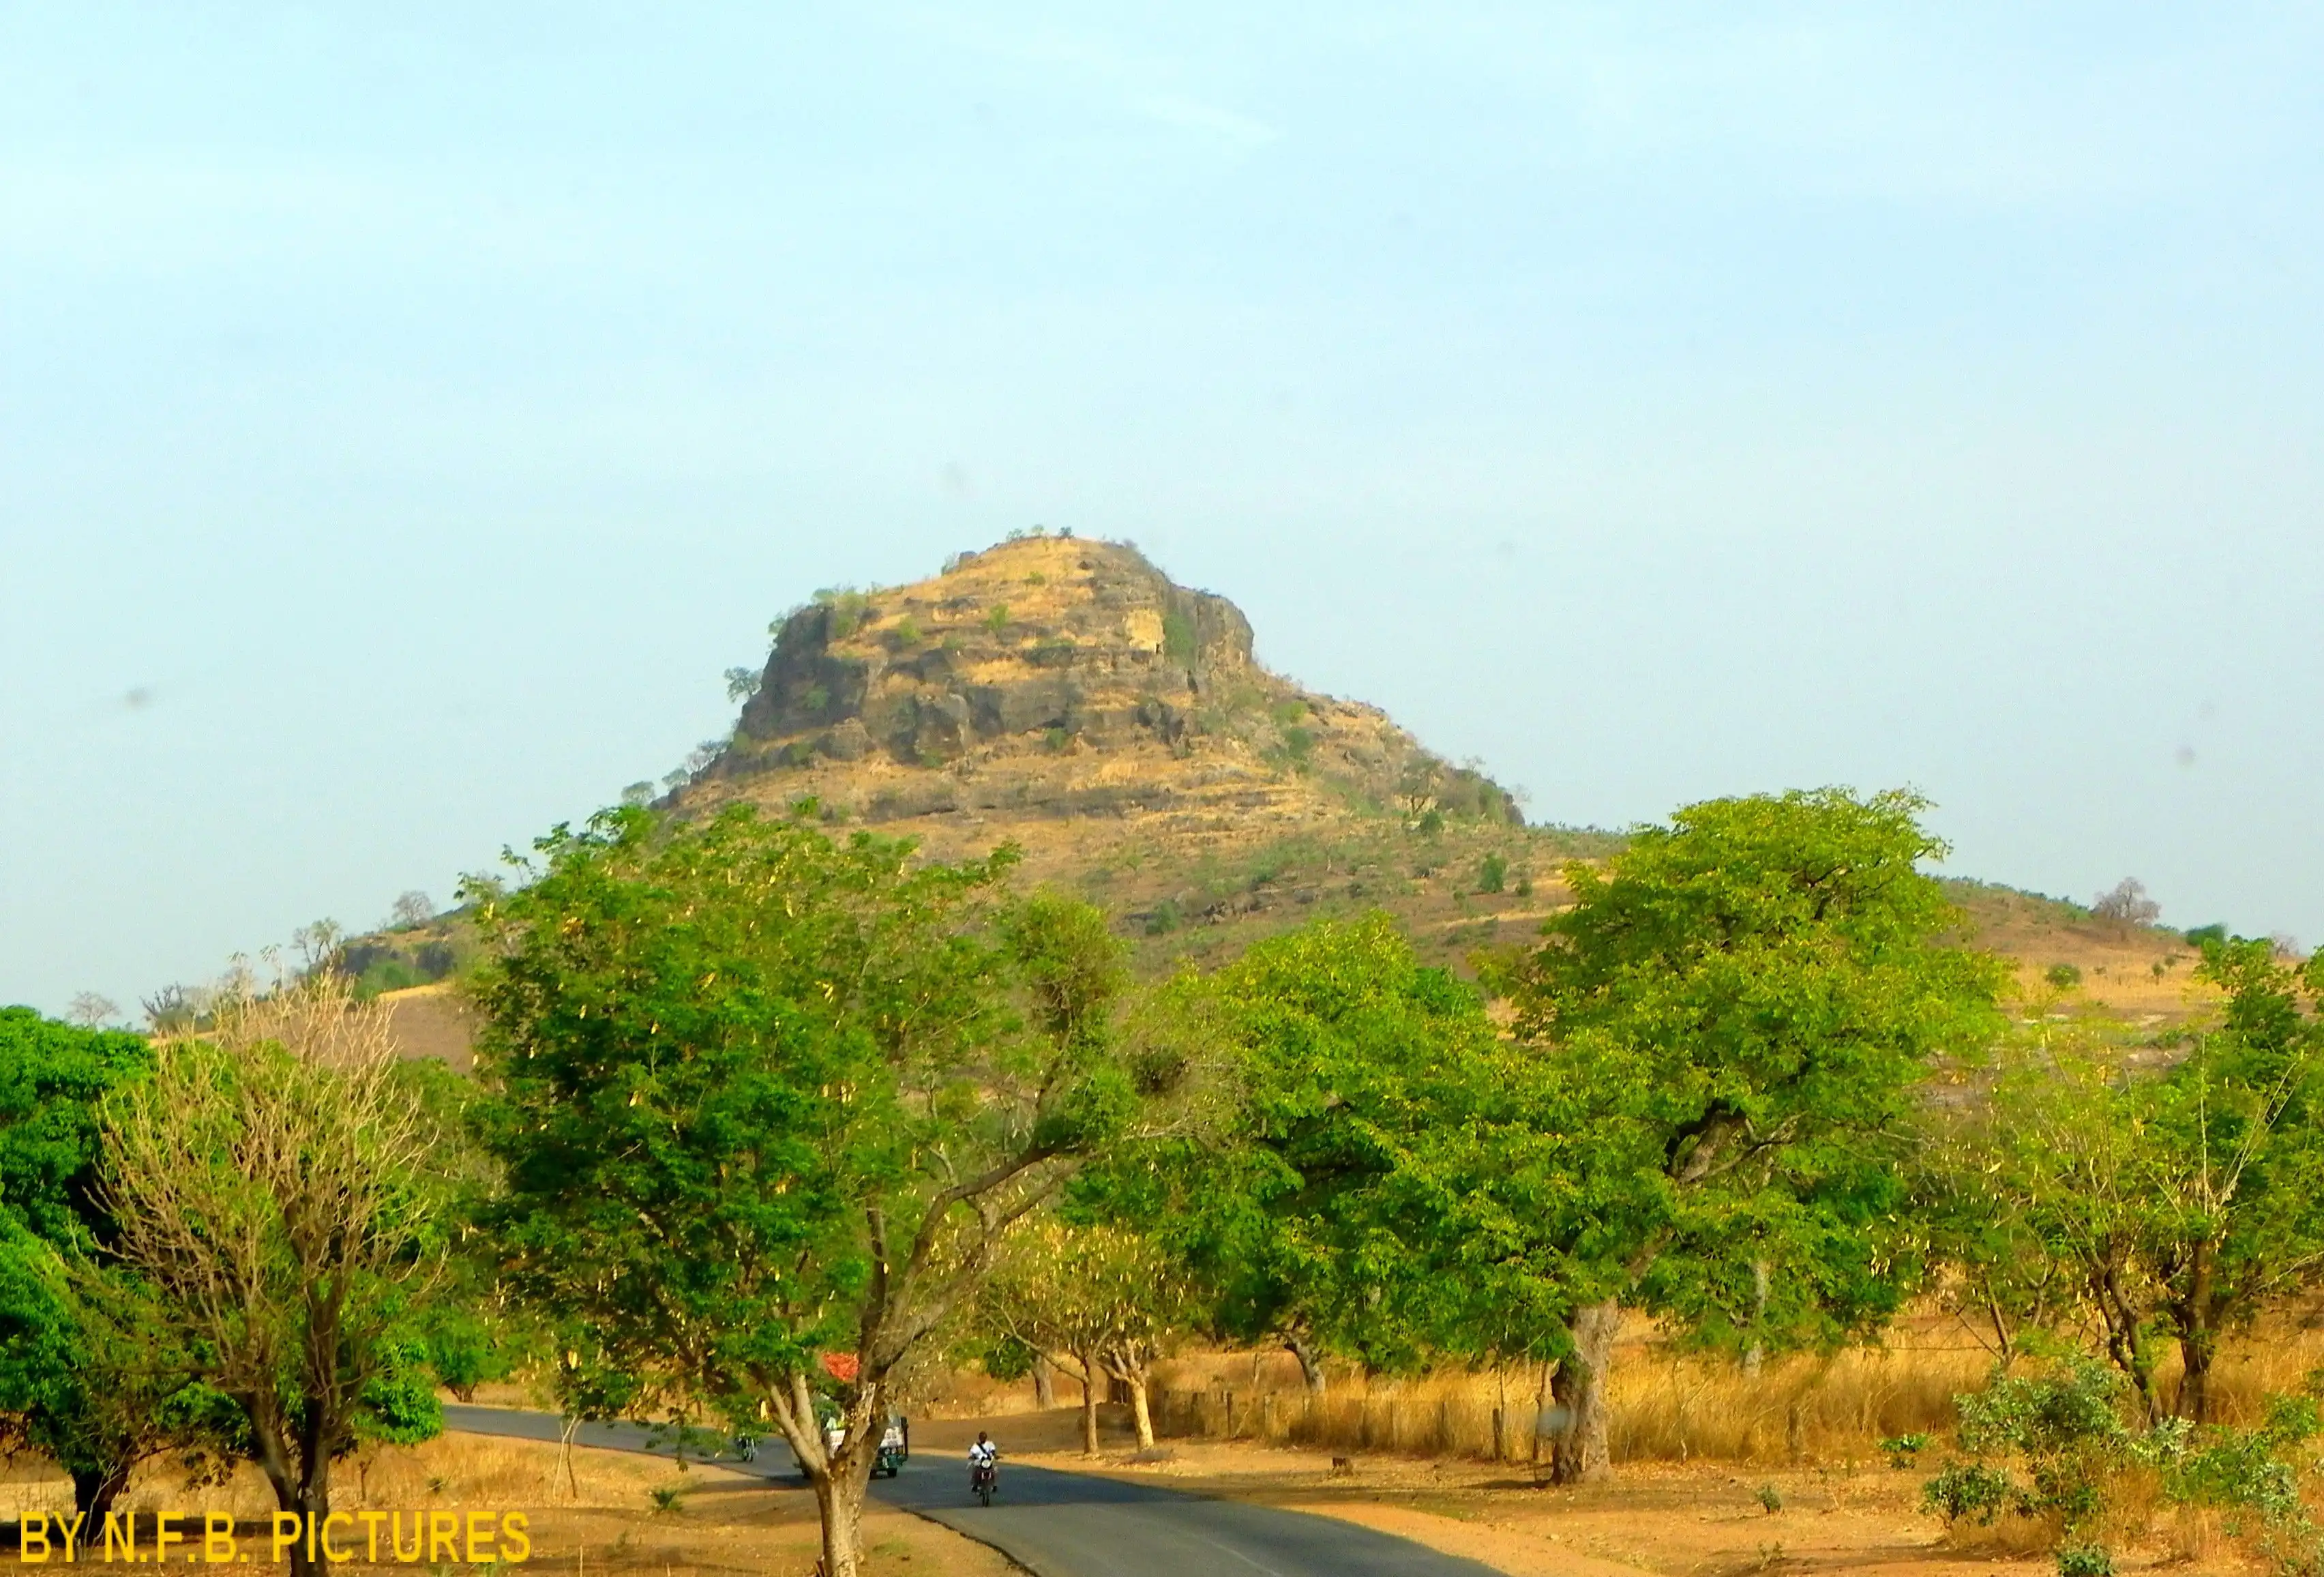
218	1548
286	1532
164	1536
475	1518
443	1535
71	1530
31	1535
516	1547
329	1553
121	1534
419	1533
370	1521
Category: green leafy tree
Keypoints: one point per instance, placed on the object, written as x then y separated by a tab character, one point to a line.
2170	1208
2040	1199
2237	1132
82	1377
1733	1014
763	1098
1326	1195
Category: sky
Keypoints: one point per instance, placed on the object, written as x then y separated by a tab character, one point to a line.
408	412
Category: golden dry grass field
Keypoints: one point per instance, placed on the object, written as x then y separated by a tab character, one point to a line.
604	1511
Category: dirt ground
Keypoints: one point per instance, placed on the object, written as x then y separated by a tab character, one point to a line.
1656	1520
612	1512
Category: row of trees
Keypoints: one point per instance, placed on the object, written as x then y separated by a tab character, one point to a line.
220	1247
766	1121
770	1107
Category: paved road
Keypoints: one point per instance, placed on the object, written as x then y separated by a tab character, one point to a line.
1074	1524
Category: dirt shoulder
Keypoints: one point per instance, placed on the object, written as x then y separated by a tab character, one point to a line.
1663	1520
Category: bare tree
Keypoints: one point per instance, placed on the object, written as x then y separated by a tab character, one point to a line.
2126	904
270	1182
414	909
318	943
91	1011
174	1008
741	683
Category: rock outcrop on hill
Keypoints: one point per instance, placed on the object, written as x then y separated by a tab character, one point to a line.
1057	679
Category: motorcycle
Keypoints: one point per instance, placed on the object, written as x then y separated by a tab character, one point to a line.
746	1446
984	1478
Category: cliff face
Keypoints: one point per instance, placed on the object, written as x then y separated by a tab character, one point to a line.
1052	680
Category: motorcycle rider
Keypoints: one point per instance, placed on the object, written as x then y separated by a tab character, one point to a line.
981	1458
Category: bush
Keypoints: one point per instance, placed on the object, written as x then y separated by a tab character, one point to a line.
2068	1425
1179	639
2236	1467
2064	977
2085	1560
1904	1450
1969	1491
1492	873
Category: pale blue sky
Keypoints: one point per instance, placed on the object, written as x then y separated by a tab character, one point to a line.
416	407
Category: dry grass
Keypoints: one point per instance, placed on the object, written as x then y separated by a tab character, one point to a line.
596	1513
1668	1406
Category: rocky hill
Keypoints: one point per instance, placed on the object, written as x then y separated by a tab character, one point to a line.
1066	695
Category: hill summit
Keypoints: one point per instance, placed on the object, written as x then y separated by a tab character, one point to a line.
1068	682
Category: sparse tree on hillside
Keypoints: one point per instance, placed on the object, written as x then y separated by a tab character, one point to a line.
639	793
272	1183
413	908
763	1097
1731	1015
741	683
318	943
2126	904
89	1010
174	1008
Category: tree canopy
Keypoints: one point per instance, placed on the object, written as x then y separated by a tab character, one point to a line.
763	1095
1733	1011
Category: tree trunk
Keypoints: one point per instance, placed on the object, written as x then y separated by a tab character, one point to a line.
2196	1316
1089	1403
1311	1366
1755	1356
1045	1383
314	1505
1578	1449
1138	1409
95	1490
839	1502
2126	1337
